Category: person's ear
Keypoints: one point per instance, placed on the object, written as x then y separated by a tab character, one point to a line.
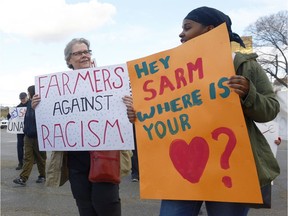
207	28
210	27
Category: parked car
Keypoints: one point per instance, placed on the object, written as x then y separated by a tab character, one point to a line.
4	123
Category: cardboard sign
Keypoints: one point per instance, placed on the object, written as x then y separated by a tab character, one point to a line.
83	110
16	121
191	134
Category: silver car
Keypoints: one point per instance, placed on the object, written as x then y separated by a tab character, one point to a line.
3	123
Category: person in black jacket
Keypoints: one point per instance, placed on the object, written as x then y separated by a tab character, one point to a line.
20	137
31	147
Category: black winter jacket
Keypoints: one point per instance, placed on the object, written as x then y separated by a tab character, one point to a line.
30	122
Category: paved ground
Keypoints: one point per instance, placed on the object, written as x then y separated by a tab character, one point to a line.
38	200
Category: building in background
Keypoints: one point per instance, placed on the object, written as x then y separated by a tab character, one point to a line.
248	43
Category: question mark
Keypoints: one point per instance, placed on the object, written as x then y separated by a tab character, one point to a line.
224	160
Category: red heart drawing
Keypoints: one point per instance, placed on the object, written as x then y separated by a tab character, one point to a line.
190	160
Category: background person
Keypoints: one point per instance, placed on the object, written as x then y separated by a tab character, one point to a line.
258	104
101	199
20	137
134	160
278	141
31	146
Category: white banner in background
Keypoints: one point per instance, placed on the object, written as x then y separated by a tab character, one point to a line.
16	121
271	132
281	118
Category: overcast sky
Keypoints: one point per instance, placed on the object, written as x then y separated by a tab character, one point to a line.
35	32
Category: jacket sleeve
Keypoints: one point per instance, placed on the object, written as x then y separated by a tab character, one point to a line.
260	104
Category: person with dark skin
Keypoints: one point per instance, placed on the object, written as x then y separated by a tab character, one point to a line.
258	103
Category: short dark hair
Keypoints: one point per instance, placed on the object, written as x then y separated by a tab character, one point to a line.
22	95
31	91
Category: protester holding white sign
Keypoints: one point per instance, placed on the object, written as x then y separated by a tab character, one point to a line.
80	111
15	125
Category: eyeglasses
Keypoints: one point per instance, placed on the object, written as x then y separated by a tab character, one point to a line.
79	53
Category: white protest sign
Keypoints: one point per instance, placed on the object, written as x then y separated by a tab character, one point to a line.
83	110
271	132
282	97
16	121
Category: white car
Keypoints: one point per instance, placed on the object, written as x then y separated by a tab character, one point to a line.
4	123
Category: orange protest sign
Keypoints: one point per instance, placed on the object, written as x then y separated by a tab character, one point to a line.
191	134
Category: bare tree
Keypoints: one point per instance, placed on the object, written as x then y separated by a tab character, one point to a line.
269	35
